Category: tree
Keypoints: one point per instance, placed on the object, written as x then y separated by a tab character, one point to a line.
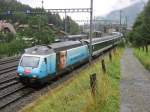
72	26
140	35
39	30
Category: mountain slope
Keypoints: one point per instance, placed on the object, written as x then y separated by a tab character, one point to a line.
131	12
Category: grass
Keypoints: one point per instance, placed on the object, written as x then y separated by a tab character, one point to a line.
75	94
143	57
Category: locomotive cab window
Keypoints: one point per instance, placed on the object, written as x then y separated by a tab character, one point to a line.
30	61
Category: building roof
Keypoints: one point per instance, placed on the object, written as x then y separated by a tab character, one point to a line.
9	26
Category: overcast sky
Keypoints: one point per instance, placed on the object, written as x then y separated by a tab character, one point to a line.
101	7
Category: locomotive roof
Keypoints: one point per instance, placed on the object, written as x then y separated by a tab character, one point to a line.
54	47
65	45
39	50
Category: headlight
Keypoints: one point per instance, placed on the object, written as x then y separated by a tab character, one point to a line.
34	76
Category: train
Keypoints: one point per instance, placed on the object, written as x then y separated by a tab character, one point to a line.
72	37
96	34
42	63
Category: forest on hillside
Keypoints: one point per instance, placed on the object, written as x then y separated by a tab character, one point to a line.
40	28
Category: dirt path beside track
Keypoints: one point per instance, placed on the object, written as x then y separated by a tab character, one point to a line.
135	84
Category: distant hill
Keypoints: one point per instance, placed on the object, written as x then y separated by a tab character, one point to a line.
6	5
131	12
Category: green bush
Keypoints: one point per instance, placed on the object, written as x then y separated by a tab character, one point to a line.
143	56
12	48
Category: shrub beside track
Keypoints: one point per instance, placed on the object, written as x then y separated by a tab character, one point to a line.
143	56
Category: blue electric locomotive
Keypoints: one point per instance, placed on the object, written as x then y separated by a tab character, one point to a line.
42	62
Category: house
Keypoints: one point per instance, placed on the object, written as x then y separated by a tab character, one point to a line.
7	27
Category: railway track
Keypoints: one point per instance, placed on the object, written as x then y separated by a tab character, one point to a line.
8	76
9	60
10	69
12	91
7	79
8	65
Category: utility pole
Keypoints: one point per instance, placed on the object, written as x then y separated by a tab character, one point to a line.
91	30
126	23
42	4
83	27
40	18
126	26
65	22
120	21
94	24
126	19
